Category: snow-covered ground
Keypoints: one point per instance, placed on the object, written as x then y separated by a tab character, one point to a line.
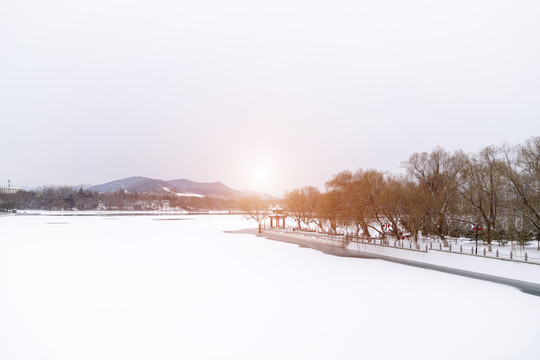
496	269
504	249
178	286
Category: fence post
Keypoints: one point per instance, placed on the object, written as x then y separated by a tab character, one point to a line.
484	251
525	257
426	248
511	254
497	252
450	247
460	248
472	250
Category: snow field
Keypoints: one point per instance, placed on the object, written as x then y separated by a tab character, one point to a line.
172	287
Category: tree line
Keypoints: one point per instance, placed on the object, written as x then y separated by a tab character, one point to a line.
493	194
67	198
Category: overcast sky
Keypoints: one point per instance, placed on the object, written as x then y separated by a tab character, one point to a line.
267	95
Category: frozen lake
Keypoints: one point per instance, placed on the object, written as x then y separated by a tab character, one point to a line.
179	287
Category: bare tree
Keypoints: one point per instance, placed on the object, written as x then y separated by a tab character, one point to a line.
438	174
522	170
301	204
313	199
328	211
255	208
414	206
353	199
391	203
483	184
373	184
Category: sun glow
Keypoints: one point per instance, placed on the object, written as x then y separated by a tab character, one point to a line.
259	176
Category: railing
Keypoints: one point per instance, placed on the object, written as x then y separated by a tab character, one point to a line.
388	243
342	240
519	256
334	238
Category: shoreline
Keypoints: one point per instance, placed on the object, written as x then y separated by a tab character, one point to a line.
115	213
524	286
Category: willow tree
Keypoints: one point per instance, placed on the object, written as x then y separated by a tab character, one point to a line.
328	211
392	201
522	171
301	204
353	199
414	207
374	186
438	175
483	184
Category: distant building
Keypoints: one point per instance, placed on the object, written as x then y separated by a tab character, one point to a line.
9	190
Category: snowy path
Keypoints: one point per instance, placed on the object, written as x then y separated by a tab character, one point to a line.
524	276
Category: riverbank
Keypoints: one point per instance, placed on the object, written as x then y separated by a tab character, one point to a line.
524	276
117	212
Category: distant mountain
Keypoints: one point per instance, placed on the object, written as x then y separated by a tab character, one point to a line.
178	186
208	189
83	186
262	195
132	184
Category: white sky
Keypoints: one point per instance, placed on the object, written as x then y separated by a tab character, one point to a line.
264	95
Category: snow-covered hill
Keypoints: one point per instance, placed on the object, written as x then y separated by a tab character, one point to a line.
179	186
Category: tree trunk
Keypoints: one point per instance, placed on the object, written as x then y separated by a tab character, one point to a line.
442	238
365	229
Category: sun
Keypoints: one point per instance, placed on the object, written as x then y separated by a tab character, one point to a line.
259	176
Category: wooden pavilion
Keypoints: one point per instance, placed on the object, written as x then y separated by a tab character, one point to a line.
276	215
